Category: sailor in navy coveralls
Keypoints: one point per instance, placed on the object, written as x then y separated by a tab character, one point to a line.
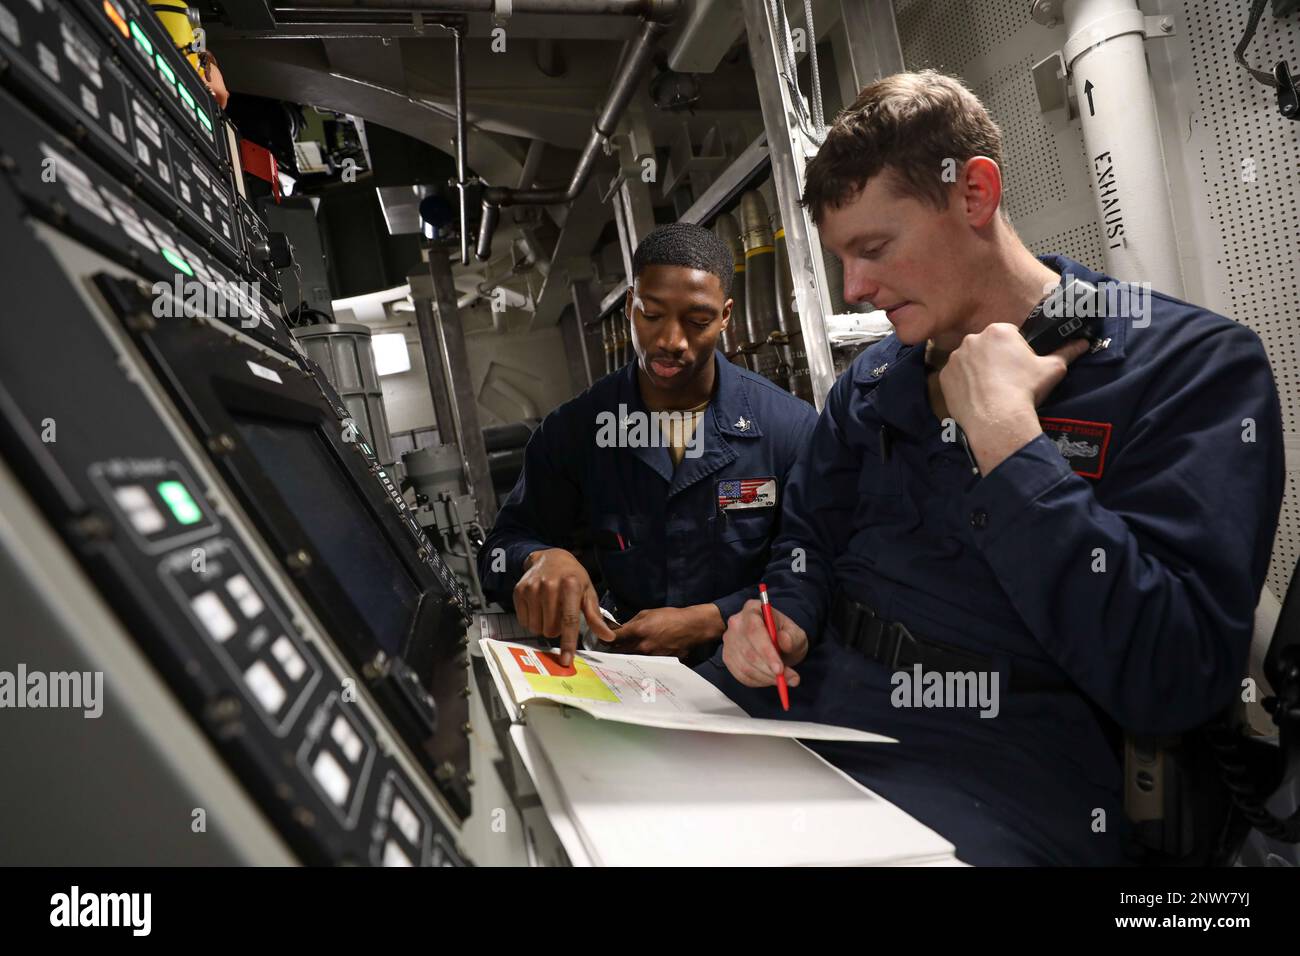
681	535
1104	564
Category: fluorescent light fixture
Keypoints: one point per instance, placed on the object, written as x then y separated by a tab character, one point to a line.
391	353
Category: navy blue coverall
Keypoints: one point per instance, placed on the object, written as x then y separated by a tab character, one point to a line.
662	536
1123	550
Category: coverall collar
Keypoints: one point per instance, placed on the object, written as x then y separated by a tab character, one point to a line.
897	373
729	414
1118	317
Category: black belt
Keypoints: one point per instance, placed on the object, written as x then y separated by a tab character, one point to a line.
859	628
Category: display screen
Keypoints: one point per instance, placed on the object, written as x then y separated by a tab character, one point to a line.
337	522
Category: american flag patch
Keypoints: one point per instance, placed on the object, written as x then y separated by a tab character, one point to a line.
736	493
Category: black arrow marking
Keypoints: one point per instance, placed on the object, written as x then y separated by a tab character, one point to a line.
1087	88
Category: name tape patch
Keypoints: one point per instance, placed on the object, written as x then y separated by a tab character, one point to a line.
1082	444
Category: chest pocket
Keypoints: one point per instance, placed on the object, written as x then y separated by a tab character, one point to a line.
883	496
626	557
744	525
741	546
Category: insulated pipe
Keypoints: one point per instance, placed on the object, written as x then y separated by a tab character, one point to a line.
760	287
607	341
790	337
1106	57
620	92
620	339
661	10
786	316
729	232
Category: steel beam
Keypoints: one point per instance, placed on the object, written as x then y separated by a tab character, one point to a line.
865	45
789	151
434	366
464	401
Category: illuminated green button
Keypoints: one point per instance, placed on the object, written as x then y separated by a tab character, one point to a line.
203	118
177	262
185	95
179	501
164	69
141	39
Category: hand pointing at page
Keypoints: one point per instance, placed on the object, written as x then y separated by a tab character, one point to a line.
554	595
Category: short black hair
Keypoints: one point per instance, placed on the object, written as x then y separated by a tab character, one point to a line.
686	244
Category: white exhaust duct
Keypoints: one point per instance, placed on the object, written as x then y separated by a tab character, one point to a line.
1105	57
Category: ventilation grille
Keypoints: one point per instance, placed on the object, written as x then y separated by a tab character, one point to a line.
1257	222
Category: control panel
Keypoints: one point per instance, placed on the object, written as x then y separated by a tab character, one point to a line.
207	477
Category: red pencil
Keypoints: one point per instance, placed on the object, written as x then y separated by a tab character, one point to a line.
781	687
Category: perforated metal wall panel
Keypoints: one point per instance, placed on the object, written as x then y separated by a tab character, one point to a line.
1233	163
955	32
1034	180
1246	160
991	45
1082	243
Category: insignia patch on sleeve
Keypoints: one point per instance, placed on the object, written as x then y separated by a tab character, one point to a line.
1083	444
735	493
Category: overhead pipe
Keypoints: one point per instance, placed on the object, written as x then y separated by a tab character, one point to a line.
458	38
386	16
620	93
661	10
657	14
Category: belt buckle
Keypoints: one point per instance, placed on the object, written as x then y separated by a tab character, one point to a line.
850	624
901	638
